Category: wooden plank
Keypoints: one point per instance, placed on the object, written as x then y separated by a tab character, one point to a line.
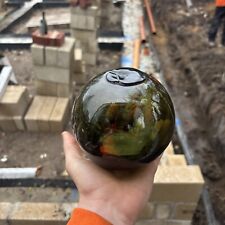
33	112
59	115
45	113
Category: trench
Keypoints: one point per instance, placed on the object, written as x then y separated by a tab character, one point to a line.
195	75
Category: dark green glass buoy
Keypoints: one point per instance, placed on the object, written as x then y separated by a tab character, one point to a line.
123	118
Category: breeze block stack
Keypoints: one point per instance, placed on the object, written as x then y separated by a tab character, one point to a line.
84	25
53	68
55	85
13	107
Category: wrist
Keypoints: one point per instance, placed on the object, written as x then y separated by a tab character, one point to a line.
105	209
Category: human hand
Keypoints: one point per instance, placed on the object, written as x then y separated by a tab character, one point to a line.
119	197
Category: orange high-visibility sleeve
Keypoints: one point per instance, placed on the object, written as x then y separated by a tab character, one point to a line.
86	217
220	3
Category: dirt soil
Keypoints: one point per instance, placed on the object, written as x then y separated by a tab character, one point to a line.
195	74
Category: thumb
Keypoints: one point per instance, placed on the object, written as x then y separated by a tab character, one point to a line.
73	153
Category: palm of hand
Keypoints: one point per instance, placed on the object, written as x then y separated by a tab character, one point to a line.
117	196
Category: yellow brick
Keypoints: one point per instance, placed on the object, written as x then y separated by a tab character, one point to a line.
45	113
185	174
148	212
176	160
33	112
7	123
169	149
176	192
177	184
163	211
59	115
67	209
63	90
46	88
184	211
36	214
15	100
163	160
5	209
178	222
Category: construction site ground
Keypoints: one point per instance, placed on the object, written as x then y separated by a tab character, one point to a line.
195	75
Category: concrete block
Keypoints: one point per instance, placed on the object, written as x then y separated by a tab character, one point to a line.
176	192
37	52
148	212
80	78
176	160
90	11
78	21
67	209
5	209
184	211
36	214
33	113
59	115
169	150
92	46
50	55
78	60
15	100
178	222
163	211
186	174
65	53
85	36
46	88
45	113
64	90
19	122
53	74
184	184
90	58
163	160
7	123
91	23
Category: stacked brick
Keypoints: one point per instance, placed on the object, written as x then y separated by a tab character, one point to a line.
13	107
55	83
177	189
84	24
47	113
53	68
